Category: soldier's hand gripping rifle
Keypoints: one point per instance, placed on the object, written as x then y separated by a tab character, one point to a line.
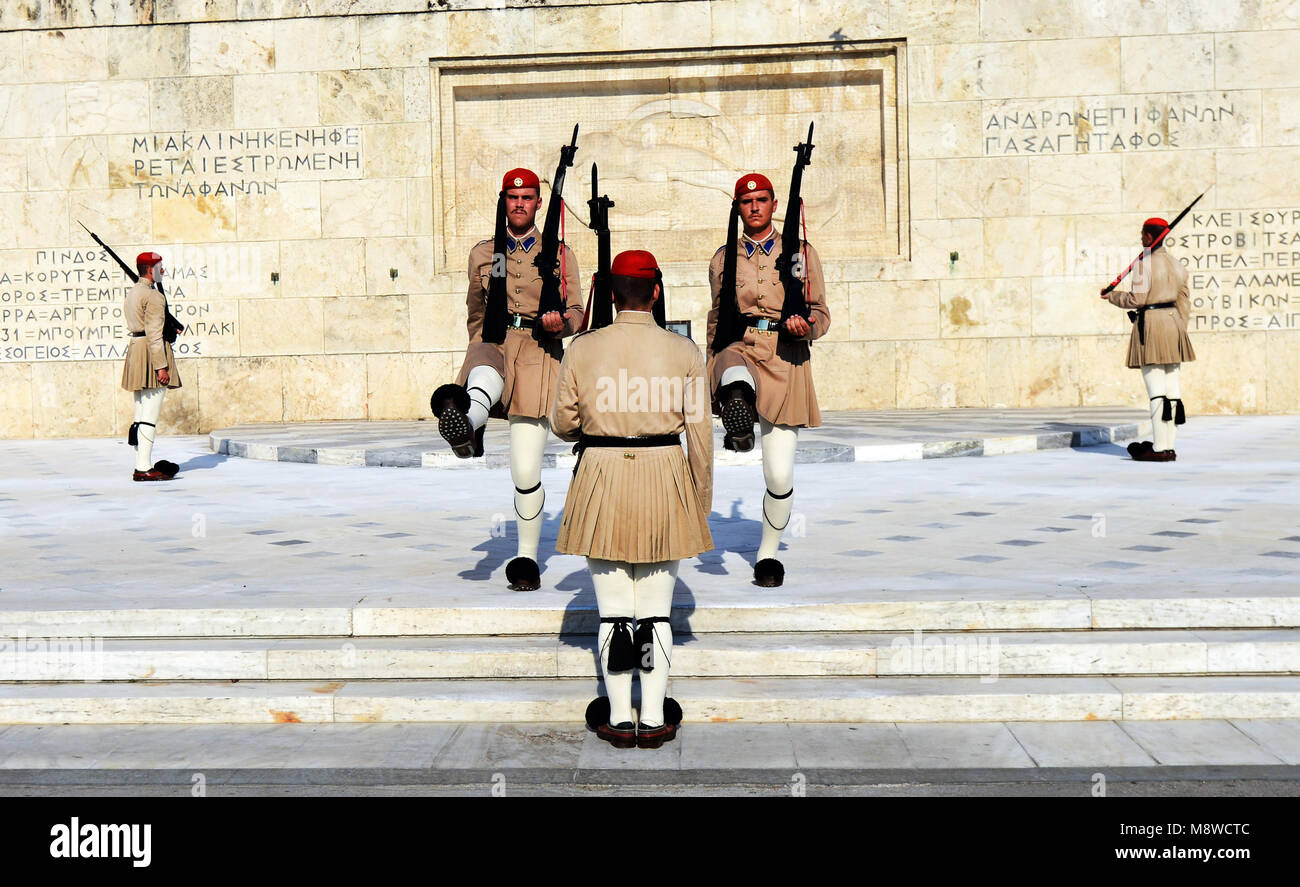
792	263
1147	250
548	258
171	326
600	308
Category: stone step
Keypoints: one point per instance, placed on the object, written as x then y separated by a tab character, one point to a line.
843	699
707	655
786	611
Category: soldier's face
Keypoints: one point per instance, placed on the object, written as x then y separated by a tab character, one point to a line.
1147	239
522	205
756	210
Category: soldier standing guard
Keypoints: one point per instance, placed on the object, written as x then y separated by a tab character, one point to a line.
514	377
766	373
1159	306
149	368
636	506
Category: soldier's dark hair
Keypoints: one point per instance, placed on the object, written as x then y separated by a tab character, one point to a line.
632	292
1153	230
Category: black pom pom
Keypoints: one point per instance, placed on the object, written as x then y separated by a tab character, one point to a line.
598	712
672	711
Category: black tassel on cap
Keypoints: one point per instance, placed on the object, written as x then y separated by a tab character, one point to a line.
728	328
494	318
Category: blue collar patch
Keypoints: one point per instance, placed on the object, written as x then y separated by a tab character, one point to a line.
526	243
765	246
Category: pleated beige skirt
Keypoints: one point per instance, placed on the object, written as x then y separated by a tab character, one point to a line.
636	505
531	370
138	370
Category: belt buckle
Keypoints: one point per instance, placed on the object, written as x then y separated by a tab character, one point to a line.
516	321
765	325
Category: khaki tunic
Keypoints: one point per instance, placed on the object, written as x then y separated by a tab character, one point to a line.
640	504
781	368
144	311
1158	278
529	366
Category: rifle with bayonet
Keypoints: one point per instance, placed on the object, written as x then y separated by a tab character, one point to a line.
1155	243
792	259
171	326
548	257
600	308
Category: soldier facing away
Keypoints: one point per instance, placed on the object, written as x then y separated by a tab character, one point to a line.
637	504
149	368
1158	305
514	377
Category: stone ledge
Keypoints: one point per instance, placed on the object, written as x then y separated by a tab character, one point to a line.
844	437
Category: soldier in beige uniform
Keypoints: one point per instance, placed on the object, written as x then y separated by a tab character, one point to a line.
149	368
514	379
637	504
1159	307
766	375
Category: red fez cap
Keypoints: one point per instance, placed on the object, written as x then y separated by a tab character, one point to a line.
147	260
1155	222
634	263
521	178
754	181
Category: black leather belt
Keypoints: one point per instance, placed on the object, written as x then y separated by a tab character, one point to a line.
653	440
1139	316
519	322
136	335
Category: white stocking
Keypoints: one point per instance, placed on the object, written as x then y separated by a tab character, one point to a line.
484	385
1173	392
654	598
527	445
615	598
148	407
778	473
1153	375
737	374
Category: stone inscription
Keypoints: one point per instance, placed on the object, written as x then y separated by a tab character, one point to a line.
1105	125
1244	268
66	304
237	162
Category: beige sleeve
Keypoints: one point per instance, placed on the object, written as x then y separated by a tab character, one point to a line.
715	287
699	433
819	316
155	313
566	423
573	305
475	306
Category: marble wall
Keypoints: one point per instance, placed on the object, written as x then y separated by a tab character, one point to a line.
314	180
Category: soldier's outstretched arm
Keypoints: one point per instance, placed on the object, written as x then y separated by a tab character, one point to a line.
565	420
699	431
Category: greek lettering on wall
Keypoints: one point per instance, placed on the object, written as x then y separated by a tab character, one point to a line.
1089	125
1243	268
232	163
66	304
